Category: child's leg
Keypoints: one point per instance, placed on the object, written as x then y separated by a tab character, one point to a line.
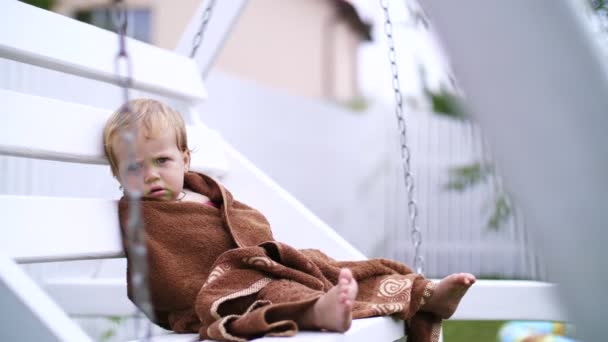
448	293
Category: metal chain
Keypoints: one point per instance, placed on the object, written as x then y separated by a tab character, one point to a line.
408	178
198	37
132	176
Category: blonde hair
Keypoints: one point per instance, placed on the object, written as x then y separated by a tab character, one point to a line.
151	115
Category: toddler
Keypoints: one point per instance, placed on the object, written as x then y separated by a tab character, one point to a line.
215	268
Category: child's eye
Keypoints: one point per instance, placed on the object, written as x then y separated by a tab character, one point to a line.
134	167
161	160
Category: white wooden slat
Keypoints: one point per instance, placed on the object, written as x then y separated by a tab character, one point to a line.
105	296
511	299
39	127
173	338
486	300
43	128
28	314
367	329
88	51
209	155
50	229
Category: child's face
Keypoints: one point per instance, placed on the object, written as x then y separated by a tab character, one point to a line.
160	162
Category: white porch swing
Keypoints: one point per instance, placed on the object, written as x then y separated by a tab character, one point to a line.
84	229
41	229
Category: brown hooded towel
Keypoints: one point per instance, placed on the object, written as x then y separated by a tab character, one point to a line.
218	271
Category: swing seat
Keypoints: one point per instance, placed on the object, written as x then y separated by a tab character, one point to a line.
40	229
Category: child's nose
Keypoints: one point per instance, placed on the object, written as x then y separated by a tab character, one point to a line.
150	173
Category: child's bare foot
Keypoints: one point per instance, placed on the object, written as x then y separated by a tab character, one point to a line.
332	311
448	293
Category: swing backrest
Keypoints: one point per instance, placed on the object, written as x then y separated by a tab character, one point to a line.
46	128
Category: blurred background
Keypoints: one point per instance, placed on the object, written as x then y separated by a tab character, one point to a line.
303	89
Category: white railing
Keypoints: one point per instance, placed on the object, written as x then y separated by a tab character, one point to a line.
353	161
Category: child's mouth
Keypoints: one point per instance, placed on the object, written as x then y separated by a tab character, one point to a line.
157	192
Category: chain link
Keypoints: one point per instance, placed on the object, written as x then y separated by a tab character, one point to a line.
408	178
132	176
198	37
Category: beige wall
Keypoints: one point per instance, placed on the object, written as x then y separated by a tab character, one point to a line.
278	43
173	20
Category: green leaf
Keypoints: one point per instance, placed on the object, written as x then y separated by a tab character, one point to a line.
467	176
501	214
116	319
44	4
357	104
106	335
446	103
598	4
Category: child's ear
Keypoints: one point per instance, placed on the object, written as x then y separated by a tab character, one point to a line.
187	160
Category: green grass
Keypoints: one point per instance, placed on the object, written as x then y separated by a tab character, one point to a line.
471	331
